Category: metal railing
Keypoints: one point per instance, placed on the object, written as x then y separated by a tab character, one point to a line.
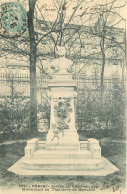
21	83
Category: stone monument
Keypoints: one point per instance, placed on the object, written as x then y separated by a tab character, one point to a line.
62	153
62	93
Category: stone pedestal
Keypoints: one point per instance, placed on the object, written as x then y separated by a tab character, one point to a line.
63	87
31	147
62	153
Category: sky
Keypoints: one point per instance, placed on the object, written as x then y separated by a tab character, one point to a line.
49	7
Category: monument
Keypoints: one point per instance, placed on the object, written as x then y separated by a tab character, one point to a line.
62	153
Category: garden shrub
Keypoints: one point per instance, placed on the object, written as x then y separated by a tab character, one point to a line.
101	114
43	111
14	116
98	114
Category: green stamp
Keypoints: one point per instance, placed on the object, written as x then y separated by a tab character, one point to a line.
13	19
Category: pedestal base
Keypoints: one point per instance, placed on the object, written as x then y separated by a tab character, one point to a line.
64	138
42	158
17	168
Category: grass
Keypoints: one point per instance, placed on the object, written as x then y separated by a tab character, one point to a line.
11	153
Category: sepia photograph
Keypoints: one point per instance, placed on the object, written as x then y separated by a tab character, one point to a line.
63	98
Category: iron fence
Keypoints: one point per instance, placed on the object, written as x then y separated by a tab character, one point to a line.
21	83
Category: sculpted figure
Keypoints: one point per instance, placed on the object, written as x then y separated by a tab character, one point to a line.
61	64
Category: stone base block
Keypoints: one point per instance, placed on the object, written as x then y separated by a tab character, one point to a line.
63	164
43	145
108	168
65	154
31	147
66	138
50	158
61	147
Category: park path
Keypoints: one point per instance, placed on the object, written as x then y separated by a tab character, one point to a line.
13	141
25	140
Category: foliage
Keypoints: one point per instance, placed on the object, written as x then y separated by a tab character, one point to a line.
62	109
44	111
102	114
41	42
97	114
14	115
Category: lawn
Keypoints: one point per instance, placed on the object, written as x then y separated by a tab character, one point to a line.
10	153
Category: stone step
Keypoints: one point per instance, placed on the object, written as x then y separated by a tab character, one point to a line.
62	147
65	154
42	145
63	164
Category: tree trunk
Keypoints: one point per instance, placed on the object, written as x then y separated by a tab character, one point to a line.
102	70
123	66
33	84
103	63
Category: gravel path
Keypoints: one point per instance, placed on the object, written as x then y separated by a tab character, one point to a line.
25	140
13	141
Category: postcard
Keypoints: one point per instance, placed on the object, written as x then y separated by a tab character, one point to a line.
63	111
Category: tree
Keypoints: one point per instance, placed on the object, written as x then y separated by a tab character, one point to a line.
104	16
33	57
28	46
59	29
107	18
41	42
14	109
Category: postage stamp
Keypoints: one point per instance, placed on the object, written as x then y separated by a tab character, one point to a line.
13	20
